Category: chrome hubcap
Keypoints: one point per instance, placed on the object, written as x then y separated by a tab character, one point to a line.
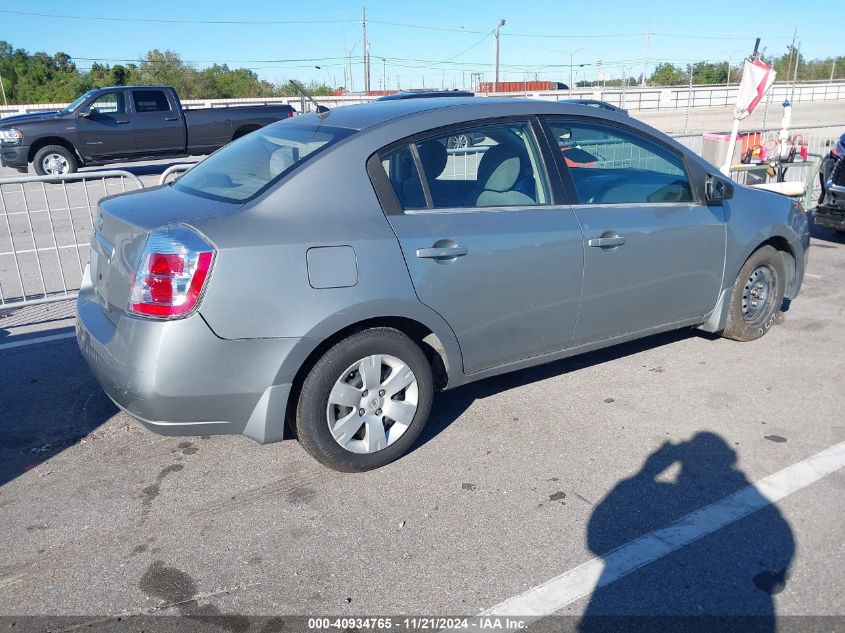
55	164
372	404
758	293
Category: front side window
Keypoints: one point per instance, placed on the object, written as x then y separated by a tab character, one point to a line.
481	166
150	101
609	165
111	103
246	167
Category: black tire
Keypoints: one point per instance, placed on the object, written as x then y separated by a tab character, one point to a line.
243	132
312	426
747	319
459	141
64	152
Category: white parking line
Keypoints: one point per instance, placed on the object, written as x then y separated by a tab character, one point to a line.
562	590
40	339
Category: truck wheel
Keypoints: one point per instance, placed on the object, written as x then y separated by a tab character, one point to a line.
757	296
244	131
54	160
365	401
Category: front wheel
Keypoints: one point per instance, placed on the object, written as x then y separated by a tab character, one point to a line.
54	160
365	401
757	296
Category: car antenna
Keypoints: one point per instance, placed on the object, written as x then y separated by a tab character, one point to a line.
303	95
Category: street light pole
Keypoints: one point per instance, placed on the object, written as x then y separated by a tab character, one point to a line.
730	60
571	65
366	52
496	81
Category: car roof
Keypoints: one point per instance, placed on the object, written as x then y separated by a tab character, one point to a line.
362	116
133	87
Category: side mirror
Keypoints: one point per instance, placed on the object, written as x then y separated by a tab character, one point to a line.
87	114
717	190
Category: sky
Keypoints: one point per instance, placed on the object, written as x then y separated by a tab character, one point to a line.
435	44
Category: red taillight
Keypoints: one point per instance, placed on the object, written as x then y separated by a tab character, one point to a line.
172	273
290	114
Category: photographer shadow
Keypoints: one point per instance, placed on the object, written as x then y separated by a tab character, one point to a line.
725	580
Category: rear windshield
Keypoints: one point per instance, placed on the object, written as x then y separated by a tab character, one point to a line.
247	167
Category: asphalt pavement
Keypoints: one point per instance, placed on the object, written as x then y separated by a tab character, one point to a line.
517	480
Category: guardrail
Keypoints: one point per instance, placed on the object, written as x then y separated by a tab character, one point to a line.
649	98
46	224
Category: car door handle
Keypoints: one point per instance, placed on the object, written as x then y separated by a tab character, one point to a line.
121	122
607	241
171	118
444	252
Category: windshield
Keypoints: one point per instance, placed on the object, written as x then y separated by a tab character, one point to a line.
78	102
247	167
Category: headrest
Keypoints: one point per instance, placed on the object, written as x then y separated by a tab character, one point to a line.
280	160
433	156
499	168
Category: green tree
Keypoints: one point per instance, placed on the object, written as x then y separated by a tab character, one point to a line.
666	74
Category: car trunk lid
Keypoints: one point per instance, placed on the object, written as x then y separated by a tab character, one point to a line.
121	231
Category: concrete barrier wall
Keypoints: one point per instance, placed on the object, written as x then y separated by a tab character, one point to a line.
633	99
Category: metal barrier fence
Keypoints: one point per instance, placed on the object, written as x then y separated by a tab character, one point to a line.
46	225
172	171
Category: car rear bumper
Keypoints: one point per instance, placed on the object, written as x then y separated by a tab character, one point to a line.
830	216
179	378
14	156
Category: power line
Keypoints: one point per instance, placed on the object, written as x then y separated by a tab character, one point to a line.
208	61
467	50
385	23
174	21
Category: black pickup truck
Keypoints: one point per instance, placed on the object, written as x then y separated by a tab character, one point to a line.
125	123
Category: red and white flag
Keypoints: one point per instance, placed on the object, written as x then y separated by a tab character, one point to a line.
757	78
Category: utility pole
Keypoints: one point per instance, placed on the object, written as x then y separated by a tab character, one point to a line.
496	80
645	61
366	52
832	68
5	103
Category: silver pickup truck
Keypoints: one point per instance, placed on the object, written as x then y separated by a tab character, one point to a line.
125	123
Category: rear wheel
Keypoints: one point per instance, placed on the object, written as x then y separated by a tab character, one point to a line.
365	401
757	296
243	132
54	160
458	141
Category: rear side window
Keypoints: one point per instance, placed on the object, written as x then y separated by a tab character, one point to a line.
492	165
150	101
613	166
247	167
401	170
